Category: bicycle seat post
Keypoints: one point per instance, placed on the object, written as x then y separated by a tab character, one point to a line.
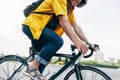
32	52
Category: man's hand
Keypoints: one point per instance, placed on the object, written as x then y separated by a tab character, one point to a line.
81	46
94	46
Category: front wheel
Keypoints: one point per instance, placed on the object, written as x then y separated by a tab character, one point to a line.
87	73
9	64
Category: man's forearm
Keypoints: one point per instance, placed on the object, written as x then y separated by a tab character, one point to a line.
80	33
67	28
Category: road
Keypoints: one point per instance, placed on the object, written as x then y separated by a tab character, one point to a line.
113	73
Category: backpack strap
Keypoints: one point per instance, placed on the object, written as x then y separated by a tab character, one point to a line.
42	13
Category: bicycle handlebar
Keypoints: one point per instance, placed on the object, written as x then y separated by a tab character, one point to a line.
90	48
33	52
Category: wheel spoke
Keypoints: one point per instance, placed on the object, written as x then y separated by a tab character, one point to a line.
88	73
9	64
2	69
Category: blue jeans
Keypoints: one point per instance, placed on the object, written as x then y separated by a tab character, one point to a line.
47	45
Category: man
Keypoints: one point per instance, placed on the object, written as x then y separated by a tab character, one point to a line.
48	40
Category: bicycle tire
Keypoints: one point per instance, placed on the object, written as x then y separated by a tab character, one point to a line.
95	74
8	65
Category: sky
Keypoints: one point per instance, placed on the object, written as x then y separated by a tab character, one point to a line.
99	19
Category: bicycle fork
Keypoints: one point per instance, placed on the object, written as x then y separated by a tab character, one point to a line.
78	71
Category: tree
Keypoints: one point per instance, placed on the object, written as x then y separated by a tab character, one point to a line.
118	62
59	59
66	60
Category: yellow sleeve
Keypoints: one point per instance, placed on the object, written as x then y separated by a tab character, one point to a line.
60	7
73	19
59	31
71	16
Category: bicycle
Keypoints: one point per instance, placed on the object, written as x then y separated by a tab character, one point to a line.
12	67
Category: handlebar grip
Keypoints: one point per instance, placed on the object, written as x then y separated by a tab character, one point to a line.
89	46
91	50
91	53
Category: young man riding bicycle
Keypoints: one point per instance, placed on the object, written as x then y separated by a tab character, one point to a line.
46	40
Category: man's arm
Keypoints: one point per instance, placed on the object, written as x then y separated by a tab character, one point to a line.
77	29
67	27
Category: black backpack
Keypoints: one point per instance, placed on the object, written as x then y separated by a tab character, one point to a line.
54	22
28	10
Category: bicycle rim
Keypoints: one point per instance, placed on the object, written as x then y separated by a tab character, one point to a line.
88	73
8	65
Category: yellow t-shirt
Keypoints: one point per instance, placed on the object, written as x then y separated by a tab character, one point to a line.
37	22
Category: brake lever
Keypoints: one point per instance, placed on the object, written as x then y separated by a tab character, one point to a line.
97	46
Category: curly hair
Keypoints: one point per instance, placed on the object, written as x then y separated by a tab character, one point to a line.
82	3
